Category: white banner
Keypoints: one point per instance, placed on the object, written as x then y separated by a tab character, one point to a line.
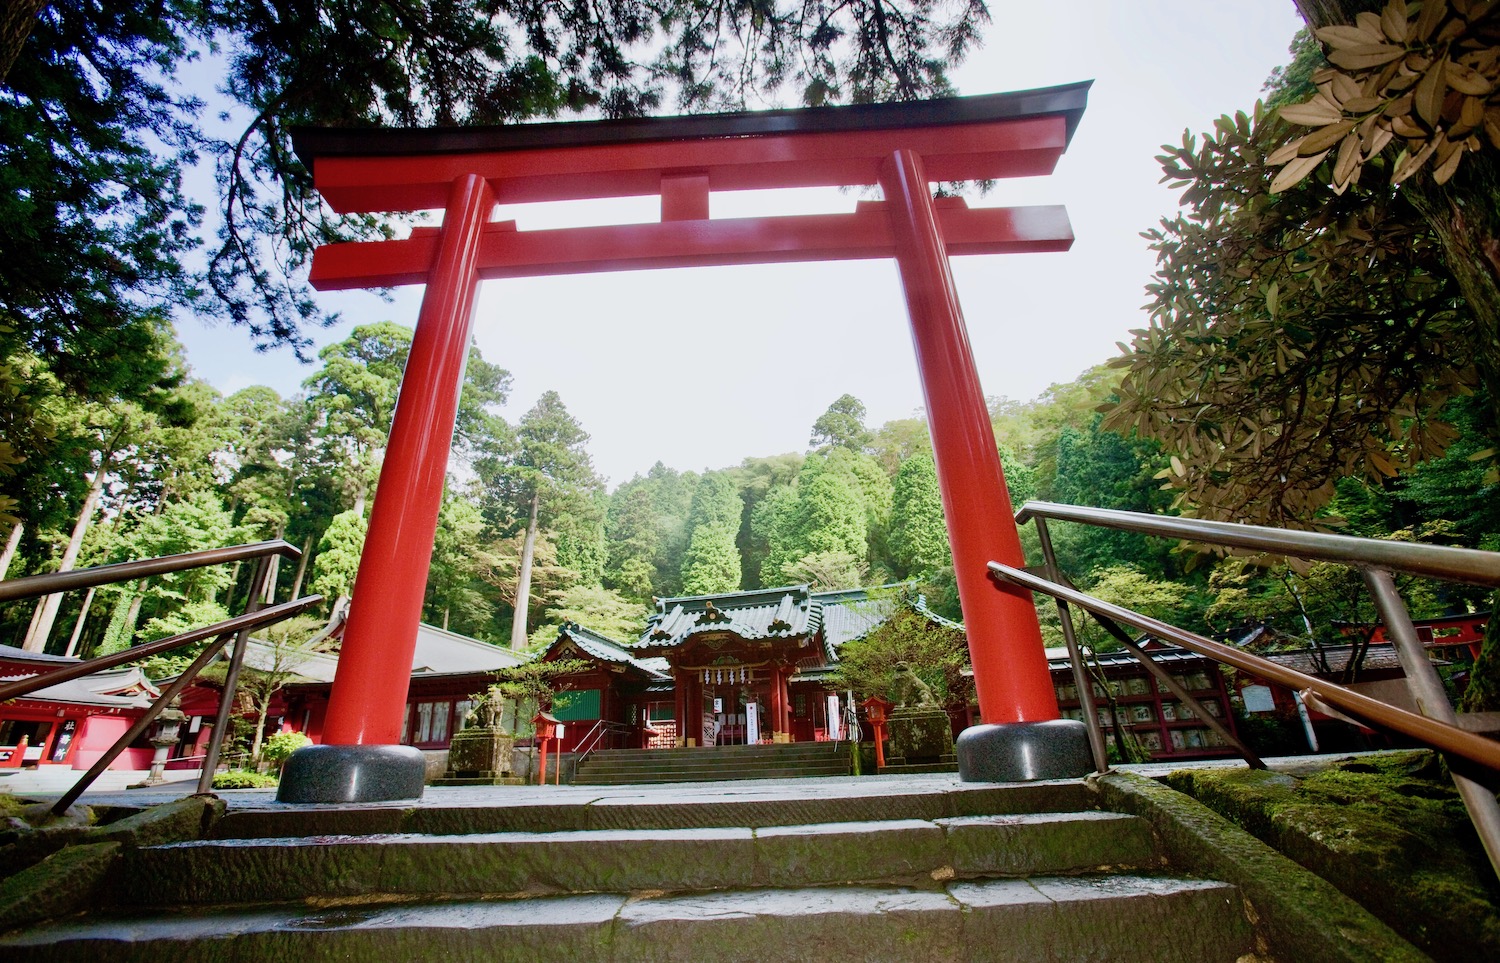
752	723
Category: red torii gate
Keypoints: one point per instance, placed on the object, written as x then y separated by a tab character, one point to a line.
903	148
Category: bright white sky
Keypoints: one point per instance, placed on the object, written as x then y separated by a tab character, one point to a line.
701	368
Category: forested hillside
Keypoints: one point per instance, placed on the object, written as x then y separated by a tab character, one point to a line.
526	516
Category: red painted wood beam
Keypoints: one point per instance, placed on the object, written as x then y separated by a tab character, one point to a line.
956	152
369	688
1011	677
505	252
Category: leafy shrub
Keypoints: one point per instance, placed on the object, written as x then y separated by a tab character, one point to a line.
244	779
281	745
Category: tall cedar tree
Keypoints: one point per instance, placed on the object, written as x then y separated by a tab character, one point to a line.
548	476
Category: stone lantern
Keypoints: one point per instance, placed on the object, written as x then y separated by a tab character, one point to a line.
164	734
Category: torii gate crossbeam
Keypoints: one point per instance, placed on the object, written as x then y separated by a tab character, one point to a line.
902	148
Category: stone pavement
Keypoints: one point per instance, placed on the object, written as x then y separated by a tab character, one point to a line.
113	793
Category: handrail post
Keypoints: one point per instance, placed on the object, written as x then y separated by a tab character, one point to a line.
1075	656
232	679
1432	701
140	726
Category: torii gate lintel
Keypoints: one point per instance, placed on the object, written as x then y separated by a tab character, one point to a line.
902	148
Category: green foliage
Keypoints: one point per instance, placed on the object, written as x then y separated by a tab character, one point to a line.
712	563
530	683
825	571
603	610
338	555
828	516
457	598
1095	466
1127	586
716	501
841	426
936	653
244	779
919	533
1315	327
281	745
94	224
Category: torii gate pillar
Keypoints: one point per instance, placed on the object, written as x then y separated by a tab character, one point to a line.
1021	737
901	147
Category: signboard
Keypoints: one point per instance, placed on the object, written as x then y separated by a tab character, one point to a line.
835	718
1258	698
752	723
718	704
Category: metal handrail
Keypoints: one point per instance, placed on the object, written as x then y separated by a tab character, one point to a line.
250	620
1440	735
1436	726
50	583
600	731
238	628
1468	565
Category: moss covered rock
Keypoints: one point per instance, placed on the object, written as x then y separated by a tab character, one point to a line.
1387	830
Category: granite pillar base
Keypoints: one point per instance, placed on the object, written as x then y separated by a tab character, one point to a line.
1024	751
352	774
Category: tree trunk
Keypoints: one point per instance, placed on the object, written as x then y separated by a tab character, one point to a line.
37	641
301	568
523	580
270	593
17	18
11	544
262	710
83	614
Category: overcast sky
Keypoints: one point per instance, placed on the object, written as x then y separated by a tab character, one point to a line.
702	367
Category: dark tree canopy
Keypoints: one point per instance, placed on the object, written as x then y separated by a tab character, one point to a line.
95	131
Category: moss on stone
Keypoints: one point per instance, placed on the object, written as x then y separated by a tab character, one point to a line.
1387	830
64	882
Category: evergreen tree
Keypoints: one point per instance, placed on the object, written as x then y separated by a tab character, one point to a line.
633	537
601	610
548	476
338	557
712	563
841	426
919	534
828	516
455	599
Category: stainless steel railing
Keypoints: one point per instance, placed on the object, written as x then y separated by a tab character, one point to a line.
1435	726
238	628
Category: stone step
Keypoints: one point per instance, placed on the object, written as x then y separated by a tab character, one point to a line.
628	777
685	763
531	864
1114	918
537	809
736	752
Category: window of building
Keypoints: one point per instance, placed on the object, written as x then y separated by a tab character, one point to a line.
431	722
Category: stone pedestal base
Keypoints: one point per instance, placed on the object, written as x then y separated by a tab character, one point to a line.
480	753
919	734
352	774
1024	751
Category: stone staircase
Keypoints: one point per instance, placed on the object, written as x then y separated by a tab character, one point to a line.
716	763
810	869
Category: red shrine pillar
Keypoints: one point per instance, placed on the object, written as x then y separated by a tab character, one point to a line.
1005	639
369	689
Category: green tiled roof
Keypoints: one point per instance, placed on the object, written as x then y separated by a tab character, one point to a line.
791	611
606	649
779	613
